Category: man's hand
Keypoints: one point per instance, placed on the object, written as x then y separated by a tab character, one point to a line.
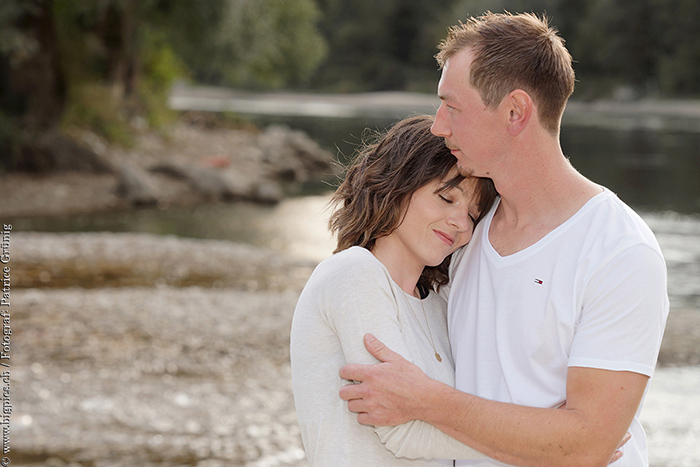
396	391
387	393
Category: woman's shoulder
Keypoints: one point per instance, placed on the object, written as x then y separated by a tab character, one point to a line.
347	273
352	264
353	257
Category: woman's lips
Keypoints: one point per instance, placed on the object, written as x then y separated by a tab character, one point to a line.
449	241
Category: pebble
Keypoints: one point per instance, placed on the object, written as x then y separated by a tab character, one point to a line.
179	376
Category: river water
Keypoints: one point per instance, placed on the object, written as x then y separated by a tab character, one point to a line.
654	168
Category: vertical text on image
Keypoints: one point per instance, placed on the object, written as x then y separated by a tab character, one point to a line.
5	345
5	252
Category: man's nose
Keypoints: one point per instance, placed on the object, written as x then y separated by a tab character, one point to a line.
439	128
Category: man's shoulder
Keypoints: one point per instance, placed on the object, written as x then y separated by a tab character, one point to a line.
612	217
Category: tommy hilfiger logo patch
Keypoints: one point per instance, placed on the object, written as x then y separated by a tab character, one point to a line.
538	281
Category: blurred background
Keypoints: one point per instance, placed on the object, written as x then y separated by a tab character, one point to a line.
165	166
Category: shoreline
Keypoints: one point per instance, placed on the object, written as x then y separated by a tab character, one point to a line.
146	349
108	260
385	103
176	352
679	114
193	162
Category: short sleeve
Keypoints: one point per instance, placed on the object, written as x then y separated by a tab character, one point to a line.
623	313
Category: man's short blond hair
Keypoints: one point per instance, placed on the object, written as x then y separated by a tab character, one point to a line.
511	52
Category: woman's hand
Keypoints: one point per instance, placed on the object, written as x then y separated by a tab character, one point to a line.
618	453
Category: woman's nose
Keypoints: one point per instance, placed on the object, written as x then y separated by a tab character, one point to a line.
461	221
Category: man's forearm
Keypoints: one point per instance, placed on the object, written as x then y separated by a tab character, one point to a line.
600	406
529	436
509	433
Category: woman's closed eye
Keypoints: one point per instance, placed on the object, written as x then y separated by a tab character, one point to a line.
446	199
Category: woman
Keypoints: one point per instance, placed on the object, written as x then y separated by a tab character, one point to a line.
400	213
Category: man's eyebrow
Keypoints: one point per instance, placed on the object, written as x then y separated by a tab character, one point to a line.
446	97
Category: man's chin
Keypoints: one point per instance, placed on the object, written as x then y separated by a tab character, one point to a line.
464	171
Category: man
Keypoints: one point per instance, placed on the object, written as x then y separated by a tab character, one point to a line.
558	304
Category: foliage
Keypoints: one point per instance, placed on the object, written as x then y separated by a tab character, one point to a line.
640	45
119	58
92	106
643	46
119	65
381	45
105	64
678	50
249	43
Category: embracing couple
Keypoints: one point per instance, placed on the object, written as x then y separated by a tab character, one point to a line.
533	344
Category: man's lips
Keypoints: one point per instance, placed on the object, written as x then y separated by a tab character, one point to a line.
449	241
449	144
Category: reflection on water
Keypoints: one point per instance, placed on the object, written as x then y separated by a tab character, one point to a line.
657	172
679	237
652	169
298	227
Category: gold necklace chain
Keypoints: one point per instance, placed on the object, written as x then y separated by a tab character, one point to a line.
428	335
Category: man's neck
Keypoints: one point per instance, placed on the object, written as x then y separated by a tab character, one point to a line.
535	200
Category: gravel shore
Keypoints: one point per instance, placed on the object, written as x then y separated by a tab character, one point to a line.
151	373
133	349
174	353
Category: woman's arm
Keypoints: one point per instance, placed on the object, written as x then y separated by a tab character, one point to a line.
365	302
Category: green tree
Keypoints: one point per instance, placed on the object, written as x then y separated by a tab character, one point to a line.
32	85
249	43
644	45
32	82
678	50
105	64
381	45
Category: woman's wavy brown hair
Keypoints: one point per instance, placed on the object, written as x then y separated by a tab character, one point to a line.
372	200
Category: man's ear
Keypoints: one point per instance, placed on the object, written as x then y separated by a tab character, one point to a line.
521	108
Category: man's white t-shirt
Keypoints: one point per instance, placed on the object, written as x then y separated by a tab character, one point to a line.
591	293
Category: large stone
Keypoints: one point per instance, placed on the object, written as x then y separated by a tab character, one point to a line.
223	184
291	155
134	186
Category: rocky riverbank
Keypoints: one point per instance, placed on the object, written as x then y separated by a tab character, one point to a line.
138	369
200	159
146	350
133	349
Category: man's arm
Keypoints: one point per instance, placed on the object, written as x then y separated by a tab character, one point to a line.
600	407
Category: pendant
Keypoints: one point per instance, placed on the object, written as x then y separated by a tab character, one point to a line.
438	357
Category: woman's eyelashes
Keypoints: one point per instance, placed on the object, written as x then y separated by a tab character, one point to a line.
446	199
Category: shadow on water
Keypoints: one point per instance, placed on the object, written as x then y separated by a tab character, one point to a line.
652	169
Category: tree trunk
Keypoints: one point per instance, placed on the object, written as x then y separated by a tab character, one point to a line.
118	33
33	97
36	88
